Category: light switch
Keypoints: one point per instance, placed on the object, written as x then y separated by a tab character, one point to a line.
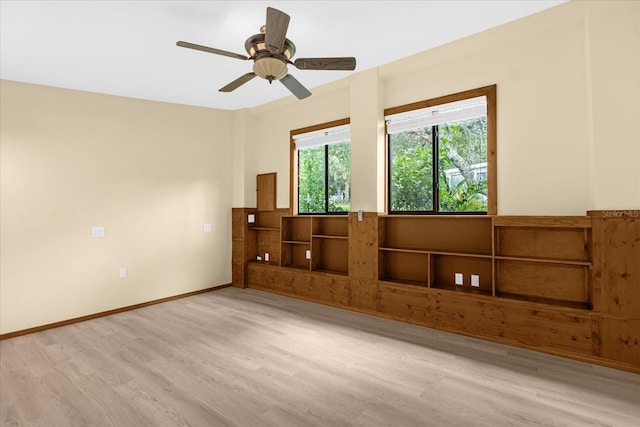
266	256
360	215
123	272
308	254
251	218
207	228
97	232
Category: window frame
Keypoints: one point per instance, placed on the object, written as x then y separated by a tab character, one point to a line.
492	182
293	162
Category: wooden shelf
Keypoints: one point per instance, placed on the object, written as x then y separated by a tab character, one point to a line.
543	260
429	252
296	242
337	272
404	282
465	289
264	228
255	261
324	236
547	301
296	267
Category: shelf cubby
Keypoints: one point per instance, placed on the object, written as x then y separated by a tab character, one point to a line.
294	255
543	259
404	266
444	268
296	229
448	234
330	255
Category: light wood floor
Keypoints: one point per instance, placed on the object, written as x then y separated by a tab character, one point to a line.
247	358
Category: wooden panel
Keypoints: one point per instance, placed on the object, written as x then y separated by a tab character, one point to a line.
364	293
237	275
410	268
363	246
270	219
446	234
554	281
237	223
513	322
327	288
331	255
616	254
266	188
549	243
445	267
621	340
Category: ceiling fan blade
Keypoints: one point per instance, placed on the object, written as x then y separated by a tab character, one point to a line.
211	50
295	87
276	30
237	82
346	63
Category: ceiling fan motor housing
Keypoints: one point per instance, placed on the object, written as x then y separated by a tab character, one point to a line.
267	65
256	47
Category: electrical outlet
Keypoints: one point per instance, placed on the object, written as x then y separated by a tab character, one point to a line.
308	254
123	272
258	258
251	218
207	228
266	256
360	215
475	280
459	279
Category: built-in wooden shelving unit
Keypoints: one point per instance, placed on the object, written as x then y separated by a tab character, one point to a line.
564	285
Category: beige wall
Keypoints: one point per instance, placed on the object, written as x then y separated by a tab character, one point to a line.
152	174
568	110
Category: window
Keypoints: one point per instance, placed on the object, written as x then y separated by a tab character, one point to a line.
321	158
441	155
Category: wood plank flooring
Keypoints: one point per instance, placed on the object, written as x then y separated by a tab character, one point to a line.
247	358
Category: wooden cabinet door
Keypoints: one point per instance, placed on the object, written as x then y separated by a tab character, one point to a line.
266	188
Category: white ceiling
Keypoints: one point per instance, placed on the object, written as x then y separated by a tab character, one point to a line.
128	48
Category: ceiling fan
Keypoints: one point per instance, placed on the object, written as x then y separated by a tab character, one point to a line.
271	51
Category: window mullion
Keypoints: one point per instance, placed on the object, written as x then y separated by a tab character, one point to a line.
435	168
326	178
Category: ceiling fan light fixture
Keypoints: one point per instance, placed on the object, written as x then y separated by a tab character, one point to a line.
270	68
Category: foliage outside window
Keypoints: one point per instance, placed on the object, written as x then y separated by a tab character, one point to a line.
438	158
323	159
